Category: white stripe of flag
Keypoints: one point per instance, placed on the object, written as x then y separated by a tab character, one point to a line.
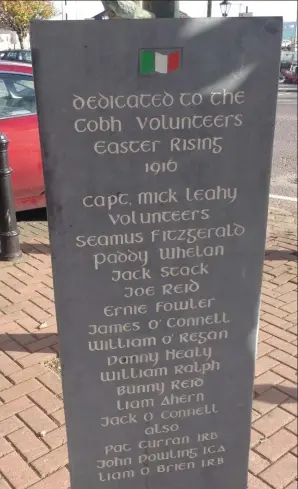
161	63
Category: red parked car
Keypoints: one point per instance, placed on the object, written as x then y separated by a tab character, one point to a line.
18	121
291	75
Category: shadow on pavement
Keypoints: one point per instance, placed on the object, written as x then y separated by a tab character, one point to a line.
281	255
21	341
35	249
271	393
34	215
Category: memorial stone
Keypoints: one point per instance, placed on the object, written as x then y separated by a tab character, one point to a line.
157	142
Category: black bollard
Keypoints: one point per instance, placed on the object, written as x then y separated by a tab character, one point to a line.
9	233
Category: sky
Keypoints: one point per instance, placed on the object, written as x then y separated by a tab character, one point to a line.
288	9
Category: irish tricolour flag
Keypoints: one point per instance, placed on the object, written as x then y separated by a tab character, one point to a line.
157	62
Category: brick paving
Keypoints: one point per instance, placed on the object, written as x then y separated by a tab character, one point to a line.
33	451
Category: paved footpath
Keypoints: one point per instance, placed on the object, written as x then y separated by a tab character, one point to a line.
33	451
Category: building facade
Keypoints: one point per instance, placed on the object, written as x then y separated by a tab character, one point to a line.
78	10
9	40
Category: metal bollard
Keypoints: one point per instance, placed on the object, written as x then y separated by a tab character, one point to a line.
9	234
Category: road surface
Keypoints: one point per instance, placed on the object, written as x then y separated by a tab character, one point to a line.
284	165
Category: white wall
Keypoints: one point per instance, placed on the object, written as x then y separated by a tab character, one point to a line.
9	40
77	9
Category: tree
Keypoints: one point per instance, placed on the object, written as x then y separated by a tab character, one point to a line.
16	15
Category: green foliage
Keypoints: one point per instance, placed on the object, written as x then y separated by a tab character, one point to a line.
16	15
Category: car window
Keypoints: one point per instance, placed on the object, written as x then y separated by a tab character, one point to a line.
26	56
2	88
11	55
17	96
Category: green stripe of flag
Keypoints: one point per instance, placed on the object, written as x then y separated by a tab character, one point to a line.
147	62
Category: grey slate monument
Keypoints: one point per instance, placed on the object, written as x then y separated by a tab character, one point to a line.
157	141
